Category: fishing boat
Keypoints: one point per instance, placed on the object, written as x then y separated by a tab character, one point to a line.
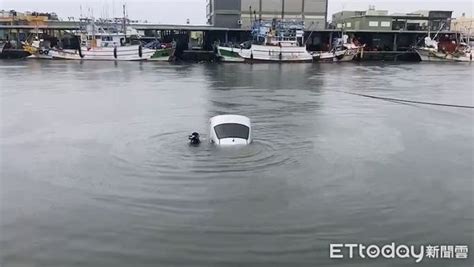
445	50
273	41
163	51
39	48
10	50
36	50
100	43
342	51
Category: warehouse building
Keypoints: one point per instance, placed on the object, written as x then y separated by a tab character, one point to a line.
241	13
380	20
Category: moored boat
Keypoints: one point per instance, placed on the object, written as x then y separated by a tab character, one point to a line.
229	54
98	40
98	43
445	51
163	52
38	49
117	53
10	50
343	51
273	41
445	48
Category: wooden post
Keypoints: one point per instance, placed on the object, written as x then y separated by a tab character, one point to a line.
330	40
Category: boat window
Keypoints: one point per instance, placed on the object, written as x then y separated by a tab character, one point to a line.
232	130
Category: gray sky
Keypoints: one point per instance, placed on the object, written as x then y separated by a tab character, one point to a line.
177	11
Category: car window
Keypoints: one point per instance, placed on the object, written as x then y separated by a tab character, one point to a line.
232	130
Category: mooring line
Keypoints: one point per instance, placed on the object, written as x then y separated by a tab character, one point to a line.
408	101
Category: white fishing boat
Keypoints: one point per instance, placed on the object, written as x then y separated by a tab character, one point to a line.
38	49
273	41
98	43
445	48
37	46
445	51
343	51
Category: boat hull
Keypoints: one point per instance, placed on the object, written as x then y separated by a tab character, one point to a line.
263	53
164	55
229	54
125	53
431	55
12	53
338	56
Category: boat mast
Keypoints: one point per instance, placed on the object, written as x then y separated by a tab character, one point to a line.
93	41
440	28
124	22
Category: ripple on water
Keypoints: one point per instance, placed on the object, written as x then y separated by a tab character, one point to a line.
167	155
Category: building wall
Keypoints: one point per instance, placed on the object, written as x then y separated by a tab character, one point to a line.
464	25
224	13
313	12
342	15
227	21
245	4
375	23
294	6
246	17
232	5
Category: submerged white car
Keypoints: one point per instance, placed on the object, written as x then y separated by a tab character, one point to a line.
230	130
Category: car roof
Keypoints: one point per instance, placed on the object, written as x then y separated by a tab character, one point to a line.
221	119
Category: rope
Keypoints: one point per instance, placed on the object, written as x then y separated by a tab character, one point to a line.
408	101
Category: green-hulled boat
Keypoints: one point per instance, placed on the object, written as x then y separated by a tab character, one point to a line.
229	54
164	54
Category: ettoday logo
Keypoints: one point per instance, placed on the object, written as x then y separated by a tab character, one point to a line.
394	251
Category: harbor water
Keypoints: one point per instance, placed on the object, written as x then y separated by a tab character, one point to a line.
96	169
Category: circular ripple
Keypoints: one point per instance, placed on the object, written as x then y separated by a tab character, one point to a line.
169	155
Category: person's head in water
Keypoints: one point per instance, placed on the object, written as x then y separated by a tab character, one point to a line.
194	138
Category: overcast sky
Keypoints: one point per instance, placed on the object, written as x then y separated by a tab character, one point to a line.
177	11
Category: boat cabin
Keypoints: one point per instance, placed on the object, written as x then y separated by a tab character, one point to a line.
103	40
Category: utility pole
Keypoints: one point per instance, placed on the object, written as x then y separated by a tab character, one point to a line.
282	9
124	21
302	10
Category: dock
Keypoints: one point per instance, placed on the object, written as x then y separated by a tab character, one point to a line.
386	45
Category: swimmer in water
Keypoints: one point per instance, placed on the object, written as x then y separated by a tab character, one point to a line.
194	139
